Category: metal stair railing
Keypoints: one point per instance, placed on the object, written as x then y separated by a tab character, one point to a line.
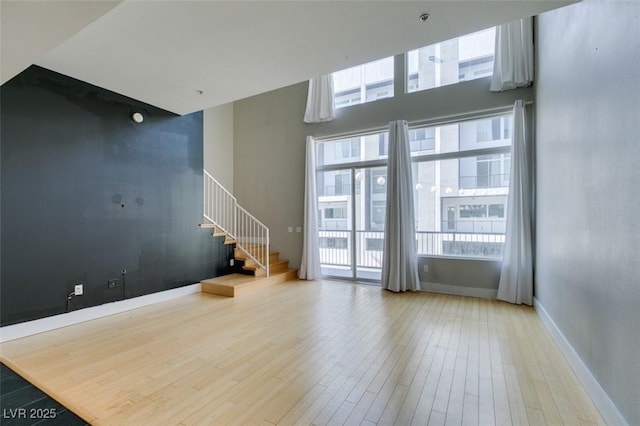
222	210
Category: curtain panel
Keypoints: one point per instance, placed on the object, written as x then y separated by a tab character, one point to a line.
310	263
400	263
513	62
320	103
516	278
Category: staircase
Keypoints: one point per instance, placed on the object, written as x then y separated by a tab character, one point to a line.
256	264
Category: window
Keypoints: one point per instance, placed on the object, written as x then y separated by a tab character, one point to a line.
496	210
351	150
460	180
485	133
460	59
334	183
342	184
378	181
460	199
377	213
422	140
337	243
473	210
488	130
335	213
347	149
492	171
364	83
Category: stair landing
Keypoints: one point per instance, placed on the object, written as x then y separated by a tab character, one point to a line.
235	284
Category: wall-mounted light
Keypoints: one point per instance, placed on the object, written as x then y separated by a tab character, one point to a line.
137	117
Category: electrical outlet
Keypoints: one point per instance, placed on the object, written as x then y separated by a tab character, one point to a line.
78	290
298	228
232	262
425	268
290	229
112	283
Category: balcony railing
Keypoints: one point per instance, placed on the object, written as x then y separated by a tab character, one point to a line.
336	249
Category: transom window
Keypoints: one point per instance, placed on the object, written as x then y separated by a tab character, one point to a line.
460	59
364	83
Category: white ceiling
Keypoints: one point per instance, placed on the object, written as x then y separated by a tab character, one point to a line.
164	52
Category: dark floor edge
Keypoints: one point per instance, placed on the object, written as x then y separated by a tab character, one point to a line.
41	414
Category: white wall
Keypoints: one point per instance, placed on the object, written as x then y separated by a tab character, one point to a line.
588	188
218	144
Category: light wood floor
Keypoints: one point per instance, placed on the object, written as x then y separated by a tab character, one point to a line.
309	353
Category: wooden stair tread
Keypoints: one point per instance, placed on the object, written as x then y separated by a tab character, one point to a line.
206	225
234	284
271	264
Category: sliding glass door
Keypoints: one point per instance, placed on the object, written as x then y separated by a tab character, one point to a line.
369	210
351	204
335	215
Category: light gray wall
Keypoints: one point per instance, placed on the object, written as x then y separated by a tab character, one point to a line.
269	158
218	144
269	154
468	277
588	188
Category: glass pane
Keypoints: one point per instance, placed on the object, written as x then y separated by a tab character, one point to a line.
352	150
454	218
364	83
464	58
335	218
468	135
371	198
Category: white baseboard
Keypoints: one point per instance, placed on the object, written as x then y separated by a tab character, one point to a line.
29	328
601	400
458	290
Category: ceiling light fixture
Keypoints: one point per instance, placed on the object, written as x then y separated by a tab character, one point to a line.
424	17
137	117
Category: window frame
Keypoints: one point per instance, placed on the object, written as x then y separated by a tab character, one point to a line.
409	83
366	92
430	157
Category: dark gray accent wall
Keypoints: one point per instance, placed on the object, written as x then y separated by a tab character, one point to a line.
588	188
86	193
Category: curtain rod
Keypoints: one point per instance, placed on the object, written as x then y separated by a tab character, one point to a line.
434	121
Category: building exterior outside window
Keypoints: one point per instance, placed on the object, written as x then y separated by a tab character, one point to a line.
460	59
460	200
364	83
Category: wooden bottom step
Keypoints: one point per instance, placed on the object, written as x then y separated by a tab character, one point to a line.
234	284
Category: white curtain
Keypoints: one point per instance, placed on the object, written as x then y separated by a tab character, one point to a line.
310	264
399	264
516	279
513	63
320	105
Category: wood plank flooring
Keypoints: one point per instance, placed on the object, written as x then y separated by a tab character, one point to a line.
322	353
